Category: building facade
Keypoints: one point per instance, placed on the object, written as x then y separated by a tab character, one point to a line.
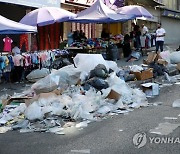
165	11
170	19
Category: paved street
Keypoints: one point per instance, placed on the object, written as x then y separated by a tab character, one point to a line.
110	136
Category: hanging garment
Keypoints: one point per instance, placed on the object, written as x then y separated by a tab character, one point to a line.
49	36
7	44
24	40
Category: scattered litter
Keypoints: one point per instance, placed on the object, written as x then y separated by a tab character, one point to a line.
56	129
177	83
157	103
61	104
150	89
176	103
81	151
82	124
26	130
60	133
170	118
4	129
4	89
164	128
120	130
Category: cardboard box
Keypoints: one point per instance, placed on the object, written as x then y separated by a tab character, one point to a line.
144	75
113	95
20	99
150	89
152	56
162	61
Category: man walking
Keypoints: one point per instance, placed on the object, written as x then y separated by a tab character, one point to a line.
160	33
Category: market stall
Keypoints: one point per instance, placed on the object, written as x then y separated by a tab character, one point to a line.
98	13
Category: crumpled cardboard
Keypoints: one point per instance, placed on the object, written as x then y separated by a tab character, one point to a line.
144	75
162	61
20	99
113	95
152	56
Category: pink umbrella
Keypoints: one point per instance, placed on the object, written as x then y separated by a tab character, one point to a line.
46	16
136	10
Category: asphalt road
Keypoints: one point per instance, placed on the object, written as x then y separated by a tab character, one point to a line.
113	135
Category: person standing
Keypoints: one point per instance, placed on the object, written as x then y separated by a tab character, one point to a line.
160	34
15	49
135	34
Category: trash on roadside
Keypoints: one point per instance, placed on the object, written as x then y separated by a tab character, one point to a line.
151	58
170	118
144	75
176	103
164	128
150	89
4	129
37	74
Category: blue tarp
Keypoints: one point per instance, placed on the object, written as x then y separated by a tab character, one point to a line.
100	13
11	27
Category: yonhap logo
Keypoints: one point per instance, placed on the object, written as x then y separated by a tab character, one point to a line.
139	140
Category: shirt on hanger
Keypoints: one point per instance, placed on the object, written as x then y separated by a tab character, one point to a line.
7	44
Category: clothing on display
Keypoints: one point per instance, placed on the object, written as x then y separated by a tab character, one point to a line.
20	64
7	44
24	41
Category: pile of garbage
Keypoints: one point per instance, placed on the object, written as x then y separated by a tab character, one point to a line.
73	96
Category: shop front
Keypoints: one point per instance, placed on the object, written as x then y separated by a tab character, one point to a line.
75	6
17	9
171	22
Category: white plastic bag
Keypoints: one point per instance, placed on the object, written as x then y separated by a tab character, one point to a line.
87	62
37	74
175	57
62	78
166	56
34	111
176	103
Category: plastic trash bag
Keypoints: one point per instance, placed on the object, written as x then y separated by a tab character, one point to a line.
113	65
99	71
62	78
166	56
104	110
175	57
136	55
87	62
22	124
98	83
37	74
33	112
176	103
136	68
18	110
82	124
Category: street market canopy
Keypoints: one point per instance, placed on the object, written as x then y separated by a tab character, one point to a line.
100	13
8	26
136	10
46	16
